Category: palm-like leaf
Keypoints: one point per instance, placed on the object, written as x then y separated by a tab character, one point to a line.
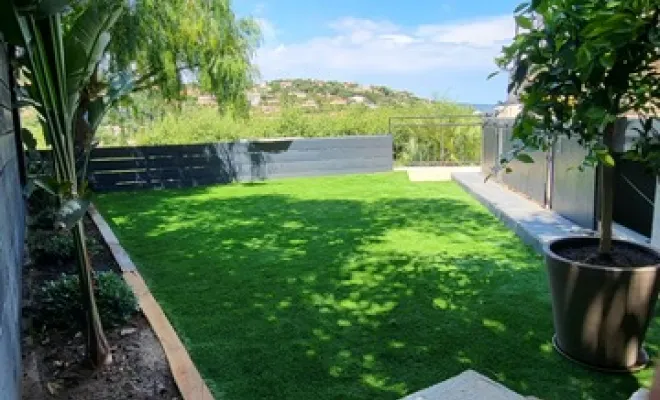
61	66
85	44
42	8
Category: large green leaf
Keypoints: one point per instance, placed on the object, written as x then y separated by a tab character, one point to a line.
525	158
524	22
85	44
28	139
42	8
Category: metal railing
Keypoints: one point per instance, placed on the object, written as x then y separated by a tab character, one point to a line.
437	140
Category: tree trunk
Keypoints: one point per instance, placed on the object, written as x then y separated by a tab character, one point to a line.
606	196
97	347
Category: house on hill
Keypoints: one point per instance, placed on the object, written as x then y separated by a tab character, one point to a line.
358	99
339	102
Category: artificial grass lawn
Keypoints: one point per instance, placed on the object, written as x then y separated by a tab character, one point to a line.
359	287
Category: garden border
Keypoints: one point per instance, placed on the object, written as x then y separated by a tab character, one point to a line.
185	373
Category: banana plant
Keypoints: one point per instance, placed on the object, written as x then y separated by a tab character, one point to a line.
63	62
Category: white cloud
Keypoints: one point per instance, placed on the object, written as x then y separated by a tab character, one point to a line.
361	24
268	30
367	47
482	32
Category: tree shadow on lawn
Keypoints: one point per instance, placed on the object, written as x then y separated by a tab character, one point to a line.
281	297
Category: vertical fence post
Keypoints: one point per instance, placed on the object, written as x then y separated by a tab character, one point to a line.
483	145
442	147
550	177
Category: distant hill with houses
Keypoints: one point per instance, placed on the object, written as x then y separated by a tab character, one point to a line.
319	95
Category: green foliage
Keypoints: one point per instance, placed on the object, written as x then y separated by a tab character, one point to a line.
579	66
60	305
49	247
60	60
324	91
46	245
420	140
193	124
646	149
157	40
42	207
582	67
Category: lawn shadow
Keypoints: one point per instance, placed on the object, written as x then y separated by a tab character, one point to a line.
284	297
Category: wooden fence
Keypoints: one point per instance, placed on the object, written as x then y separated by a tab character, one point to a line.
153	167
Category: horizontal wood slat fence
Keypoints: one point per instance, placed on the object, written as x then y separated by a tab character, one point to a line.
179	166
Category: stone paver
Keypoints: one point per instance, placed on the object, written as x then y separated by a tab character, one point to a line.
434	174
641	394
469	385
534	224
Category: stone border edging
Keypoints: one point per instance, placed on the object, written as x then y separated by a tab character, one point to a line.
185	373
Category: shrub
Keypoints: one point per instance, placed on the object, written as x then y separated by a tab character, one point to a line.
48	246
43	218
60	305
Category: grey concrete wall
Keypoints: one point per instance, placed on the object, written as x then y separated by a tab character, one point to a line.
558	183
12	229
634	195
490	150
149	167
529	180
573	191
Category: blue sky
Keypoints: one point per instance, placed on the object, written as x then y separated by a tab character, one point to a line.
434	48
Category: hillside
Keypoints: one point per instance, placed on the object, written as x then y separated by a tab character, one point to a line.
319	95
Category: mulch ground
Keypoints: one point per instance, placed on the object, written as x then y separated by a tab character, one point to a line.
54	362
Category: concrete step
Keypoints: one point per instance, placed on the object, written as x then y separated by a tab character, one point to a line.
435	174
535	225
469	385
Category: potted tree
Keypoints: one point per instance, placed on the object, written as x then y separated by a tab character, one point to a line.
578	67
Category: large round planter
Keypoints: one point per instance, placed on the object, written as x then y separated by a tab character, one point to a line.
601	314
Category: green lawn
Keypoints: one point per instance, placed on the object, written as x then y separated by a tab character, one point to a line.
359	287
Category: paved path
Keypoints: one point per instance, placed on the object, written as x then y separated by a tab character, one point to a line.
434	174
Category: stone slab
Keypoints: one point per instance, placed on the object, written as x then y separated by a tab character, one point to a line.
435	174
469	385
535	225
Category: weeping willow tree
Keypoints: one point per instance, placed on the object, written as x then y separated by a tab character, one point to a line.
164	42
81	57
161	45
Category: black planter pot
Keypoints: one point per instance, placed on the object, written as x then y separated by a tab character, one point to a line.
601	314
